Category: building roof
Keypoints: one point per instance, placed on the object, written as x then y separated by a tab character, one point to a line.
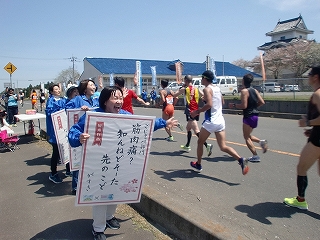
277	44
128	66
290	25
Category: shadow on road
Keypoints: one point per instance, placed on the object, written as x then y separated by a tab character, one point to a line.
48	188
75	229
72	230
262	211
42	160
171	174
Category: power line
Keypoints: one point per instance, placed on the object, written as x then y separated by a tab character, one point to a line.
50	59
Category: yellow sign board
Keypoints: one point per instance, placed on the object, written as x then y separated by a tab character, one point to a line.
10	68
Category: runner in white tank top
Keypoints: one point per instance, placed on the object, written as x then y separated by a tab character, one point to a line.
214	122
213	119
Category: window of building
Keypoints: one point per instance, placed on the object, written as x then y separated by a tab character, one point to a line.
283	38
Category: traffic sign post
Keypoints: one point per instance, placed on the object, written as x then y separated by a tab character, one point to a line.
10	68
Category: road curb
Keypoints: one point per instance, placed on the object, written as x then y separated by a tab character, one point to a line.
182	223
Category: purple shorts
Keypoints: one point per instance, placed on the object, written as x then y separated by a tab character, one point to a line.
251	121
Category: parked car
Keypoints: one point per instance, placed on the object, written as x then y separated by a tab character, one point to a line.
258	87
291	88
271	87
174	86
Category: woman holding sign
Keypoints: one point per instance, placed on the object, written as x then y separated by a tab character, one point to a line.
110	101
84	100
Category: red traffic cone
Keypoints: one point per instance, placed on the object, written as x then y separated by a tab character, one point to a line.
31	128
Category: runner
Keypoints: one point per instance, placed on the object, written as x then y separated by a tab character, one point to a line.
34	98
250	101
192	96
214	122
42	100
21	93
167	101
311	151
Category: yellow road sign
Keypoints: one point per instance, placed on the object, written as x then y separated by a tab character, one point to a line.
10	68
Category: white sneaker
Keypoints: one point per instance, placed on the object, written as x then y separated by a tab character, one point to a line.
264	145
254	158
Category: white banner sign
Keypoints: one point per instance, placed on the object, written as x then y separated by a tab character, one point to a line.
139	77
114	158
74	153
59	120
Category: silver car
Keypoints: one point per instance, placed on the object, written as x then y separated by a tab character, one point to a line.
174	86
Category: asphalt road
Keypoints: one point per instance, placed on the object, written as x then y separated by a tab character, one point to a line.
221	198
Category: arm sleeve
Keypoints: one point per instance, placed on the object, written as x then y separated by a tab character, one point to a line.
134	95
71	104
159	123
50	107
75	132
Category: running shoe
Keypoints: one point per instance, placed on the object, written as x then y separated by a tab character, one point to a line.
55	178
196	166
184	147
68	174
293	202
244	165
180	126
209	149
98	235
264	145
113	223
169	139
254	158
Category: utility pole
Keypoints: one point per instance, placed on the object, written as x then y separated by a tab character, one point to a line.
73	59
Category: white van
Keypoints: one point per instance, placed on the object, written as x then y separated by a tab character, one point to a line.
227	84
197	83
271	87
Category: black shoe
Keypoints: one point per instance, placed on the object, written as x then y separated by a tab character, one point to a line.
98	235
113	223
74	191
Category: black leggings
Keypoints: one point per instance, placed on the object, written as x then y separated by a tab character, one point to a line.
54	158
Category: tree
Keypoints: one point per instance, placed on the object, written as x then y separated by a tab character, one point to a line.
296	57
301	55
66	76
275	61
242	63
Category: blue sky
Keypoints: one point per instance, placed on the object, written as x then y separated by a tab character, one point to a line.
39	36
